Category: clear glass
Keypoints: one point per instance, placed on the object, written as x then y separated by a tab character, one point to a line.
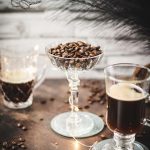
127	88
18	76
76	122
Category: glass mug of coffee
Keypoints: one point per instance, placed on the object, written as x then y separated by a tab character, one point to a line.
19	76
127	87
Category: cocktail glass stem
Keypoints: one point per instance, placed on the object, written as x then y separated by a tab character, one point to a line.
123	142
74	82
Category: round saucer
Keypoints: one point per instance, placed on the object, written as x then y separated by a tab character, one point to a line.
101	144
60	119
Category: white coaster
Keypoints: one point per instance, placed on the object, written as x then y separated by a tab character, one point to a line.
58	124
100	145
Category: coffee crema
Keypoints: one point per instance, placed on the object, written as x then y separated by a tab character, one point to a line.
126	108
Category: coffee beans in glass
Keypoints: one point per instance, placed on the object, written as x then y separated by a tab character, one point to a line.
19	76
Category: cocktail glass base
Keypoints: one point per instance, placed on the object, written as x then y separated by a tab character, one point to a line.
108	145
90	125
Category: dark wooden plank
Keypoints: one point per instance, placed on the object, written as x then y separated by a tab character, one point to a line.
39	136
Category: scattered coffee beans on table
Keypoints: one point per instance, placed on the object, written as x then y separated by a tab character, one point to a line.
21	126
16	144
78	55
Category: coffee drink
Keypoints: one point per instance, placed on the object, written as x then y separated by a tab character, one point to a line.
126	108
17	86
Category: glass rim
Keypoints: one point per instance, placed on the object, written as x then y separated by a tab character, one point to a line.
127	64
19	53
72	58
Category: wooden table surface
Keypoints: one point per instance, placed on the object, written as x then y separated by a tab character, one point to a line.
37	118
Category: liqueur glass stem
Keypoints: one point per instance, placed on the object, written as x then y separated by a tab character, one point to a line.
74	82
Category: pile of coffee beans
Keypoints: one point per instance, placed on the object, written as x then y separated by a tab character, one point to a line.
75	50
16	144
78	55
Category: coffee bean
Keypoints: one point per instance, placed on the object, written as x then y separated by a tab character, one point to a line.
84	85
52	99
62	51
86	106
65	54
81	51
21	139
24	128
13	147
80	43
19	125
102	93
77	65
54	52
101	115
80	107
68	92
98	52
71	62
90	102
43	102
19	144
13	143
89	99
97	47
5	144
87	54
102	102
23	146
92	55
41	119
76	48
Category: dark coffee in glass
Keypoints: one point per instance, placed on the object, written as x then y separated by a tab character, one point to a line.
126	108
17	92
17	88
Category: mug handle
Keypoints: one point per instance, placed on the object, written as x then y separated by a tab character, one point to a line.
40	74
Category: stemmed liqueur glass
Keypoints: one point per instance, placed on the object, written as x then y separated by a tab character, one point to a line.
127	87
74	123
